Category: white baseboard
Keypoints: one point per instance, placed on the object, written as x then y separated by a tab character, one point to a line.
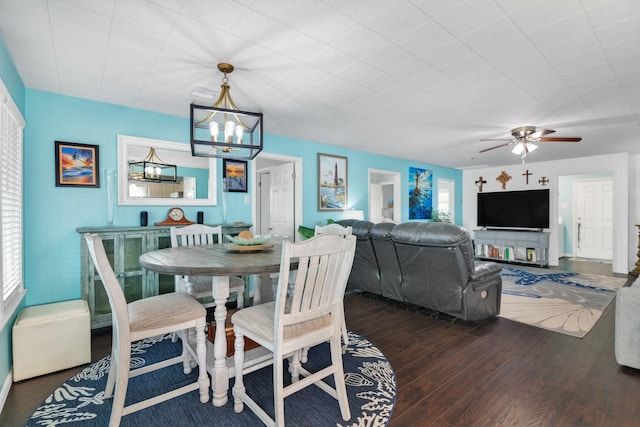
6	387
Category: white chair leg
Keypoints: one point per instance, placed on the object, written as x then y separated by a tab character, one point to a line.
240	298
186	356
113	373
201	351
122	381
257	289
345	334
294	366
238	387
338	376
278	389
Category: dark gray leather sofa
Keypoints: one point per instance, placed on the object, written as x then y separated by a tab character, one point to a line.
429	264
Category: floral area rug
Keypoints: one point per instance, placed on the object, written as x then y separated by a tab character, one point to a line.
560	301
371	388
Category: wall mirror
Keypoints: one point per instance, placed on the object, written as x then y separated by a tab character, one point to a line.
196	176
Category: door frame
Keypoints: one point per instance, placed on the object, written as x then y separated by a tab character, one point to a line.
297	187
395	180
575	183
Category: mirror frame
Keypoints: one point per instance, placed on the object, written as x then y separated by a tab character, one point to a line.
124	141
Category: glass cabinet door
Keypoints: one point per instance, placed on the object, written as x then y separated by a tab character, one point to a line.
101	300
129	271
166	283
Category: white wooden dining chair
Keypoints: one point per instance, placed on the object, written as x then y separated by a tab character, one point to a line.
343	231
146	318
200	286
311	315
333	228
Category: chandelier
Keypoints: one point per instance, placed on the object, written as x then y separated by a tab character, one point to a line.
223	130
151	168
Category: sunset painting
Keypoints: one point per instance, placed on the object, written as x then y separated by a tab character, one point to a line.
235	175
76	165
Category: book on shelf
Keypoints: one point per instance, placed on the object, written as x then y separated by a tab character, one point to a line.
495	252
509	253
531	255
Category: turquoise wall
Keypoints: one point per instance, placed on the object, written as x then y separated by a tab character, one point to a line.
13	82
359	163
52	213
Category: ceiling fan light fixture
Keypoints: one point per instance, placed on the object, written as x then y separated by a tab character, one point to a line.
523	139
223	130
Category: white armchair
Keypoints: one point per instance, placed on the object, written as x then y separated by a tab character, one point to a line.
627	334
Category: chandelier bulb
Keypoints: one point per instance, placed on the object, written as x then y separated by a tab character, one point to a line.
239	134
229	129
214	129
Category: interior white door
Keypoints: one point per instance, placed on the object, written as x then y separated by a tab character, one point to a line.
375	202
594	218
281	202
262	204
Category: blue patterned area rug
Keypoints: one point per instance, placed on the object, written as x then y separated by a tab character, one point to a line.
371	387
560	301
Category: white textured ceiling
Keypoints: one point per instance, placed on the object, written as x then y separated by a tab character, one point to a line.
418	79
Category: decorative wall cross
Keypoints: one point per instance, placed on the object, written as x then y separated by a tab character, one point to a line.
544	180
526	175
503	178
479	183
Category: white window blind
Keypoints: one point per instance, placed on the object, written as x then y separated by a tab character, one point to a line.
11	127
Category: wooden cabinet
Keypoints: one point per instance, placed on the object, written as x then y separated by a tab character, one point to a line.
528	247
123	246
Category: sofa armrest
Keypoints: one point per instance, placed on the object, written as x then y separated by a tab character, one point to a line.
627	326
485	270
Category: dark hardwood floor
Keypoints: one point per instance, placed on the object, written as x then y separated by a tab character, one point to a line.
454	373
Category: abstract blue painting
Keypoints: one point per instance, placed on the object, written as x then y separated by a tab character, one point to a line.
420	193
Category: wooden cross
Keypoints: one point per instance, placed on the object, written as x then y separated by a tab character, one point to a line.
503	178
543	180
526	175
479	183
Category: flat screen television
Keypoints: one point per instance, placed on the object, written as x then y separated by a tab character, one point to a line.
514	209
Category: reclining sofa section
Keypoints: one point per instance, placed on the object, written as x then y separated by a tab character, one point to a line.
429	264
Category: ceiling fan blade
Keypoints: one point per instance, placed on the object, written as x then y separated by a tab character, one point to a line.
497	146
560	139
539	133
498	139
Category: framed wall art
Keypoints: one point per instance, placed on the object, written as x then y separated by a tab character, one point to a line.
420	193
234	173
77	165
332	182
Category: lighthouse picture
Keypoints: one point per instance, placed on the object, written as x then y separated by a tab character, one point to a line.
332	182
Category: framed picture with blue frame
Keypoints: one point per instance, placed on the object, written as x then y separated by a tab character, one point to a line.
420	193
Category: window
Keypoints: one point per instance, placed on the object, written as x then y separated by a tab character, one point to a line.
11	127
446	197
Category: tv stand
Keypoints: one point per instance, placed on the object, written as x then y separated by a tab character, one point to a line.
521	246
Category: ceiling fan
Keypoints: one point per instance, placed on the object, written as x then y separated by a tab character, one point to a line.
524	138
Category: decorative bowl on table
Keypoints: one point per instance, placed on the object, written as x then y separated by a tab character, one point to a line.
255	243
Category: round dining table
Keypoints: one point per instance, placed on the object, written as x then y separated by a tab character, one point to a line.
219	261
